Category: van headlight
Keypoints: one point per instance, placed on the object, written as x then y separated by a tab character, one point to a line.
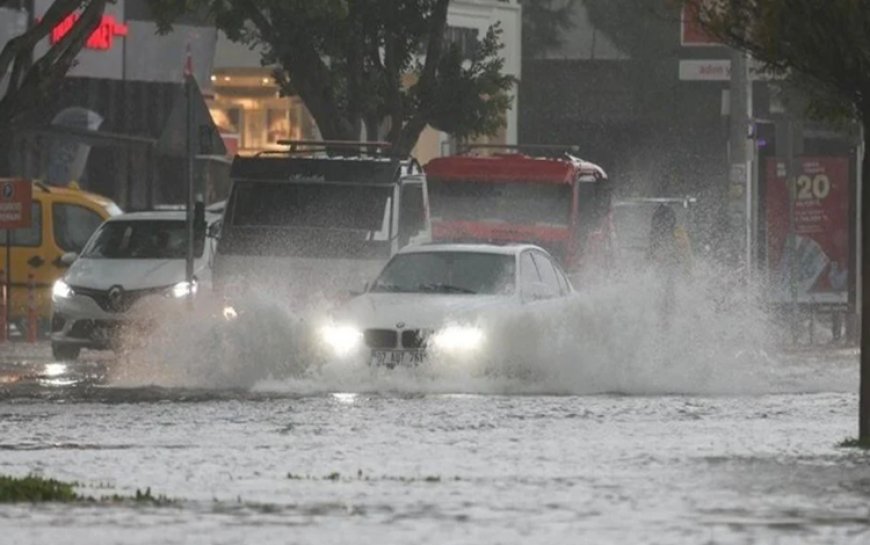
61	290
183	289
342	339
458	339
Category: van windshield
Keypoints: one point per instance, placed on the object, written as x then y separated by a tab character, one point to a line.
142	239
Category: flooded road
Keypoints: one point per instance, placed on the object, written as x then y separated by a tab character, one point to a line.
404	462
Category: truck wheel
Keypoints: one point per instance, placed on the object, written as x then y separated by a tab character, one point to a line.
65	352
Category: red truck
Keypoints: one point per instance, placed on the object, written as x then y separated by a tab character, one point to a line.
555	200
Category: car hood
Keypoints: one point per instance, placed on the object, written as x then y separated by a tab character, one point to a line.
131	274
417	310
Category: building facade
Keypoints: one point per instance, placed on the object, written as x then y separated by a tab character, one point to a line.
252	116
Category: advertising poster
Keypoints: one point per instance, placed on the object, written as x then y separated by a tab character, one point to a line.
816	265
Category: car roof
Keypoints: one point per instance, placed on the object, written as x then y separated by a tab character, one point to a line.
499	249
157	215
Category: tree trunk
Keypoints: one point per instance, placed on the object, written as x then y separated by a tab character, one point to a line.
864	401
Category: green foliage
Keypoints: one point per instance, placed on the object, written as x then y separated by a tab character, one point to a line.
825	43
35	489
471	97
378	63
863	444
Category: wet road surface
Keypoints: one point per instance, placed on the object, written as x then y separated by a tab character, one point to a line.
286	462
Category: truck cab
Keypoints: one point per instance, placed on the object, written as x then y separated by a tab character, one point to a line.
313	225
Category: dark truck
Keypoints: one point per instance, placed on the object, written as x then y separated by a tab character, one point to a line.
311	227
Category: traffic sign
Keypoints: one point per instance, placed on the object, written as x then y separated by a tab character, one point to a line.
15	200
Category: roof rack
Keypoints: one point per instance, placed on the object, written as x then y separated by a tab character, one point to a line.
555	148
309	146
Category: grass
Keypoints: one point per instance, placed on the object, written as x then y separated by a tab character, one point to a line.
853	442
336	476
36	489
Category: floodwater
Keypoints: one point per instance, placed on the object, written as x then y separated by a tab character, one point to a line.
713	439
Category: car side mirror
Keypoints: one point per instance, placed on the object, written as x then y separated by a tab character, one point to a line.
357	293
68	259
538	291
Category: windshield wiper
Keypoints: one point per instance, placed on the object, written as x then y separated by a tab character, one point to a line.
393	288
446	288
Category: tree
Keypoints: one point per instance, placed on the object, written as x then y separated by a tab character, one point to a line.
32	82
828	45
382	64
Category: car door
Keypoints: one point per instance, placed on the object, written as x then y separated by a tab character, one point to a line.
532	286
550	274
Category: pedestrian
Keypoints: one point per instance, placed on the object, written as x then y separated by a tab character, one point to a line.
669	256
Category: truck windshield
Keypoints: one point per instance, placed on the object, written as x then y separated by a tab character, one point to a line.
308	219
141	239
518	203
448	272
316	205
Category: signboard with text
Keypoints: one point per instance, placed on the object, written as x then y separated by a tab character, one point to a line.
15	198
814	267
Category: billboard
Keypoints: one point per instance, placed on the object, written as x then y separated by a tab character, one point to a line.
815	267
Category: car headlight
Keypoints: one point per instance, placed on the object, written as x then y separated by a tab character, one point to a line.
341	339
61	290
458	338
183	289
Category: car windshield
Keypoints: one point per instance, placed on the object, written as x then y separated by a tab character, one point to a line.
520	203
141	239
448	272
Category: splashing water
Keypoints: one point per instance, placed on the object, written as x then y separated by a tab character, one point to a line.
611	337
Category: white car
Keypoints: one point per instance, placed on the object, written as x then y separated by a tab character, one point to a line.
428	300
132	261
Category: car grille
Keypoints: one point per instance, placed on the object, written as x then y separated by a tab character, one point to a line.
85	329
414	338
381	338
389	338
101	297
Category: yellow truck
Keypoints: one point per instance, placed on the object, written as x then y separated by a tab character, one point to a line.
62	221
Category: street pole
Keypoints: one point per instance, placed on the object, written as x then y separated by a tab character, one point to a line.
791	240
742	199
188	92
864	260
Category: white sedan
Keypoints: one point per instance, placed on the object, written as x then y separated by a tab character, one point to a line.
429	300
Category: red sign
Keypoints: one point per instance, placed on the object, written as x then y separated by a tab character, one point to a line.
15	199
817	265
103	37
693	33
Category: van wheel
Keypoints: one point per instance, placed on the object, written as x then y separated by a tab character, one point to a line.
65	352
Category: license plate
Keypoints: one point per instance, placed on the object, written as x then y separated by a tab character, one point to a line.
396	358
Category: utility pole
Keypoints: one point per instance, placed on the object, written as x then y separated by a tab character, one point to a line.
190	135
741	194
864	260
